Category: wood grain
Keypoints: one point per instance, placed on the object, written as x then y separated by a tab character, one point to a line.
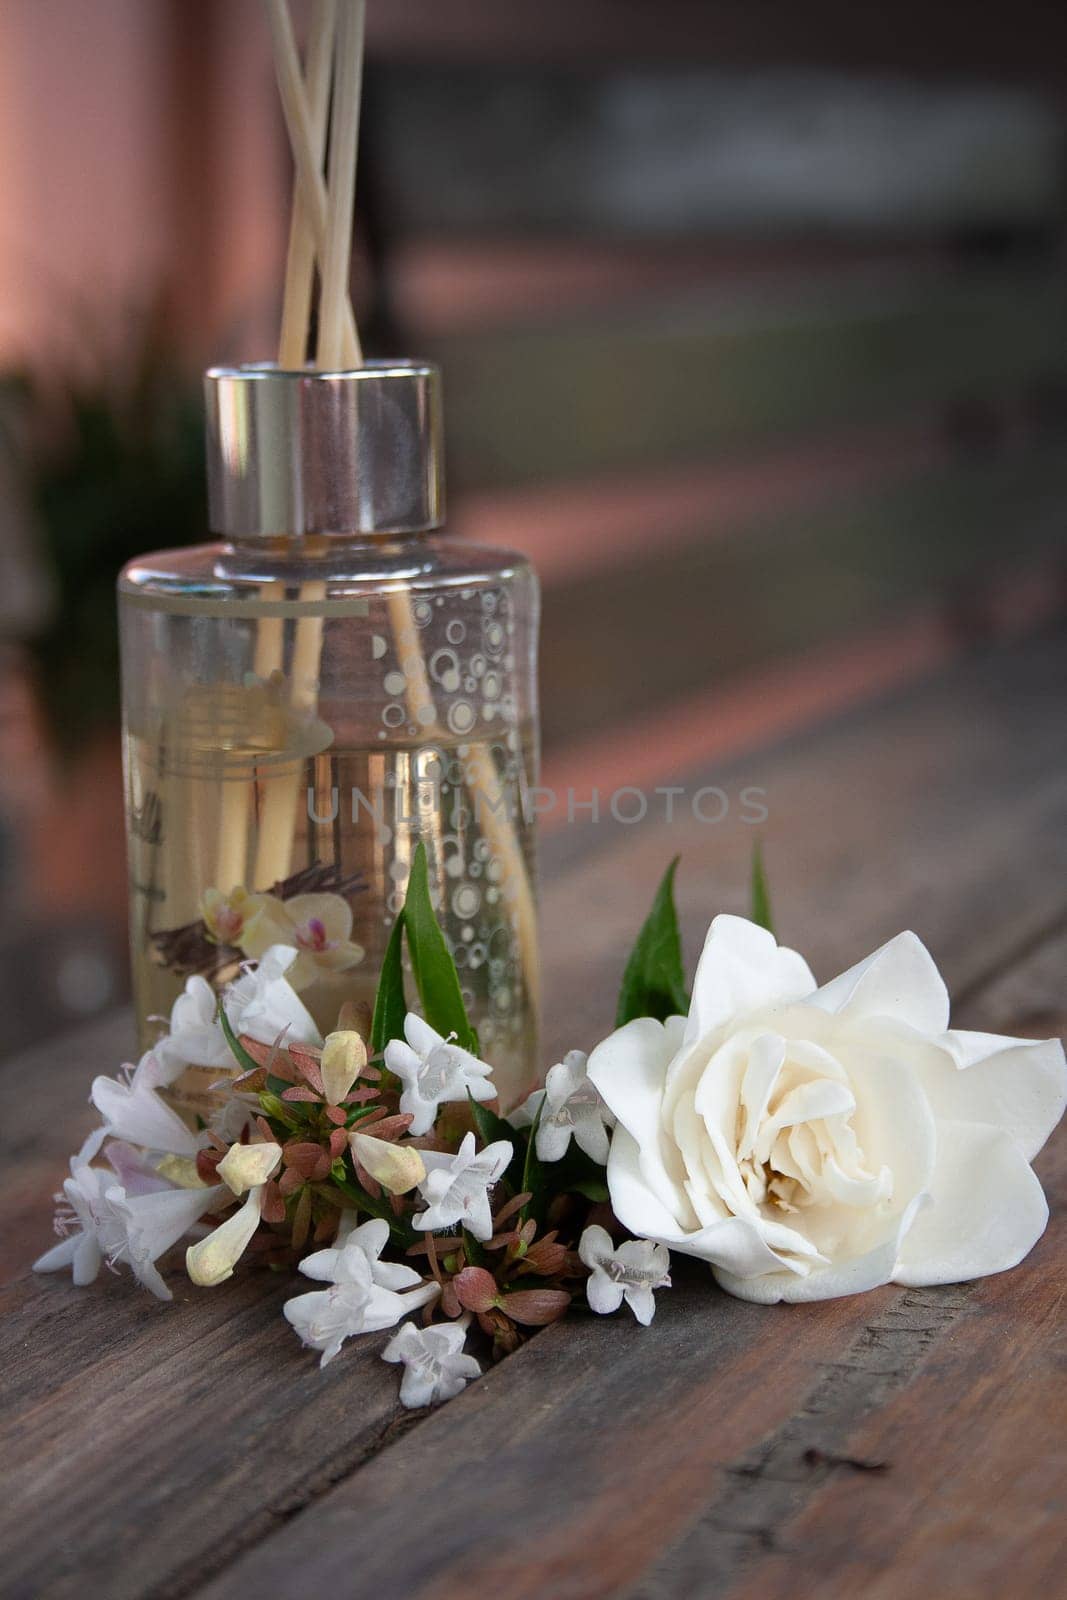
44	1115
153	1451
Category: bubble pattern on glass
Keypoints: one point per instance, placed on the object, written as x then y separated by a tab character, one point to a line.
469	662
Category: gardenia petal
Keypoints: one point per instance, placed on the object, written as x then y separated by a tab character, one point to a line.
1018	1085
988	1210
742	969
853	1276
734	1243
900	981
629	1069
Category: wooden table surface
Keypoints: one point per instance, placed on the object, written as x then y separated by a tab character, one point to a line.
900	1442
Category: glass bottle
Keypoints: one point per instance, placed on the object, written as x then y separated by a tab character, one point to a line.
305	700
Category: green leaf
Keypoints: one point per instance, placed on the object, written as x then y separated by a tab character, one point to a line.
761	898
275	1110
431	960
475	1253
653	984
241	1055
488	1126
390	1006
594	1189
533	1171
577	1173
401	1230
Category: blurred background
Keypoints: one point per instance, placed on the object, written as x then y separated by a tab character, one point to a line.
753	318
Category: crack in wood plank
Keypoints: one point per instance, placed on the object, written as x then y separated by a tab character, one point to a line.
768	1485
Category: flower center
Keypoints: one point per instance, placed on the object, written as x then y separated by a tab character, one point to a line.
229	925
797	1147
312	936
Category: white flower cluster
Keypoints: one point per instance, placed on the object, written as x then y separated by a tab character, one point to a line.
155	1198
152	1197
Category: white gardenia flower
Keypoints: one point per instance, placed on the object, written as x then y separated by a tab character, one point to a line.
816	1142
456	1188
631	1272
133	1110
572	1108
434	1069
362	1297
102	1221
435	1368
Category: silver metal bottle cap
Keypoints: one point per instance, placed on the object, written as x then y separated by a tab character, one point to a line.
357	452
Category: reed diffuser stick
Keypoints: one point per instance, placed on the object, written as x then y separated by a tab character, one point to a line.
344	139
300	262
281	797
308	170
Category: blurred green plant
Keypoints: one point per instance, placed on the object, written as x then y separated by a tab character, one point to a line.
114	468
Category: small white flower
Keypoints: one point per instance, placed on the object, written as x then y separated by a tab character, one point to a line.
457	1187
82	1215
102	1221
362	1297
572	1107
146	1226
212	1260
195	1038
356	1258
434	1069
246	1166
133	1110
234	1116
263	1003
631	1273
435	1367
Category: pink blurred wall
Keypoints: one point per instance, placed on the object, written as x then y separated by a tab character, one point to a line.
139	151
